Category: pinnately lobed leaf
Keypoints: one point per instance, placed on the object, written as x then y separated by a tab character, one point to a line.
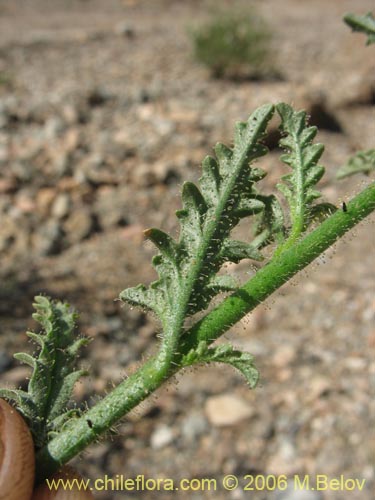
44	405
362	23
362	162
209	212
298	187
188	267
224	353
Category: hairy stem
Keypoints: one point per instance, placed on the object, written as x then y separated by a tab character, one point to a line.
280	269
153	373
99	419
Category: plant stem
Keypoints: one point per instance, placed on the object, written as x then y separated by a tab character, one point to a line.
154	372
102	416
280	269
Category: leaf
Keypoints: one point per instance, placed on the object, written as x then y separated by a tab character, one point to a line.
235	251
314	175
248	207
63	393
211	179
362	23
25	358
302	157
270	226
142	296
54	375
362	162
320	212
60	422
224	283
224	353
23	402
164	242
210	210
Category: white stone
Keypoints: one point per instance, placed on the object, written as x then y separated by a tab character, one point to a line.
162	436
227	409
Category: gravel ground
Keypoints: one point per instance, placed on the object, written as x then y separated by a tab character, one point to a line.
103	114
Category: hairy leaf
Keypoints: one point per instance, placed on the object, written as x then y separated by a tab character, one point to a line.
302	156
210	210
363	23
224	353
54	374
320	212
271	223
362	162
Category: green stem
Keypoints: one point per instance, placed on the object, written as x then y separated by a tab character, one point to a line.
99	419
280	269
153	373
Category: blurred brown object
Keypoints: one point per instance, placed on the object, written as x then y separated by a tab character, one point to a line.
17	462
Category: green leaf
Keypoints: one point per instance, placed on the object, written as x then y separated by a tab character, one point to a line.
224	353
314	175
270	226
211	179
58	422
248	207
142	296
164	242
63	392
257	174
302	157
25	358
362	162
320	212
210	210
225	283
54	375
362	23
23	402
224	156
235	251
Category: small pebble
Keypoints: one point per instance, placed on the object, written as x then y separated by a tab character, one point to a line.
161	437
193	426
227	409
